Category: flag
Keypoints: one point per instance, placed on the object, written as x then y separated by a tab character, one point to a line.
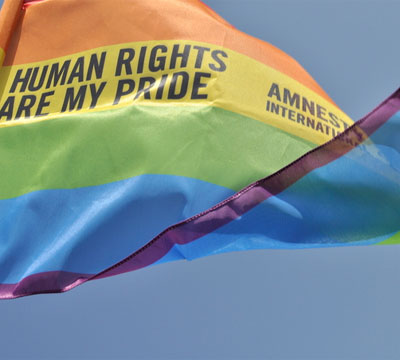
134	133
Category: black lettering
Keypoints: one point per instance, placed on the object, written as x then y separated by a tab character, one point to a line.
216	56
25	106
43	103
161	86
283	110
291	115
73	102
8	108
319	127
274	108
344	124
96	65
173	94
77	71
308	106
333	120
32	86
24	80
183	55
122	90
274	91
143	89
56	73
125	58
321	112
157	63
197	85
300	118
142	56
310	123
200	55
95	93
292	100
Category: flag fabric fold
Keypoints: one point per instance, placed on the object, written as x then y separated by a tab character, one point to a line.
130	132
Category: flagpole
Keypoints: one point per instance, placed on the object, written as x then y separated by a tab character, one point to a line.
9	15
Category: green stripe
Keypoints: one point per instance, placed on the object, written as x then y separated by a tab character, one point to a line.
205	143
395	239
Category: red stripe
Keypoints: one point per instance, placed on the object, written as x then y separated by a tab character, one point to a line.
28	3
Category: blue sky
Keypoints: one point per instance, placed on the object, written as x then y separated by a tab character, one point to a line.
304	304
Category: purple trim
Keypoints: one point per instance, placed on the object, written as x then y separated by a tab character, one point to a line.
46	282
219	215
246	199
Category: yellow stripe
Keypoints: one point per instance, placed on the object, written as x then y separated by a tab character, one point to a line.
216	77
2	56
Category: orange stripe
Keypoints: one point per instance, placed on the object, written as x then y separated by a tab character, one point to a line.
9	14
54	28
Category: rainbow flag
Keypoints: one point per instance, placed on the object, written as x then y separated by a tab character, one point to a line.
134	133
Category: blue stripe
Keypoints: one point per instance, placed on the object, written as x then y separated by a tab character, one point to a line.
86	230
351	201
354	200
